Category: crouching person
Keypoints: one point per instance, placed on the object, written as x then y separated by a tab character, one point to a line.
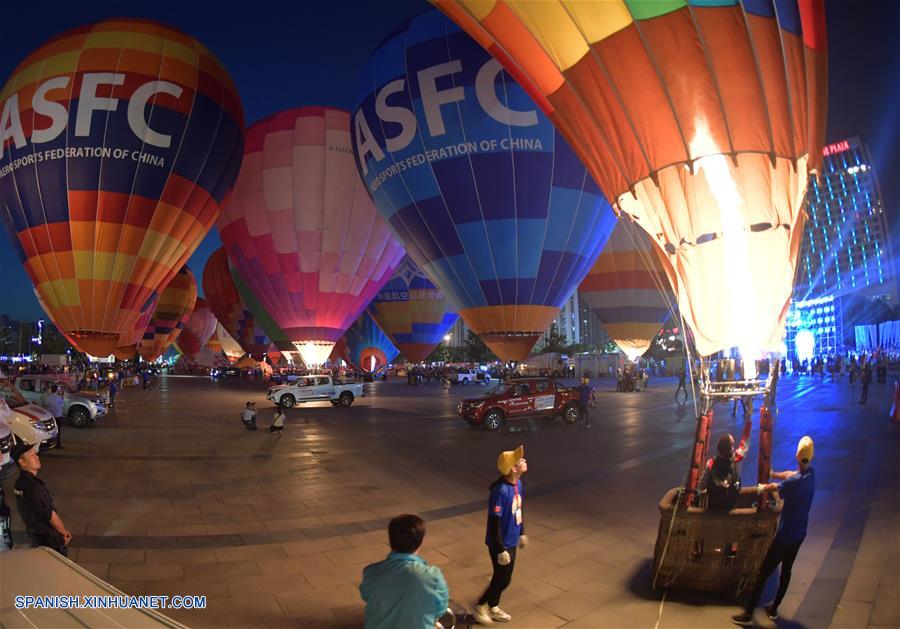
403	590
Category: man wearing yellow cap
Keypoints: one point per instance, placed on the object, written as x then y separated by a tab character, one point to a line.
797	490
505	532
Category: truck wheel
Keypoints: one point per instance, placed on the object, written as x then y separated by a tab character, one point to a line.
465	381
493	420
79	416
571	414
346	399
287	401
334	402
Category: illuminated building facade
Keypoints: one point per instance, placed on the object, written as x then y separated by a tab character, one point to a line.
845	245
846	251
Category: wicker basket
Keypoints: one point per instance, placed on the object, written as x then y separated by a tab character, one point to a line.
713	551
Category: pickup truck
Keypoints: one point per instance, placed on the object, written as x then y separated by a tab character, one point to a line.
521	398
81	407
28	422
473	375
315	389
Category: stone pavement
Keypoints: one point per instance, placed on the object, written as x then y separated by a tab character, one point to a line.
169	495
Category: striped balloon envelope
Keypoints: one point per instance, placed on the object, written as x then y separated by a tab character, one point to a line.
119	141
367	347
629	290
127	346
302	233
224	300
485	195
700	119
413	312
198	329
176	302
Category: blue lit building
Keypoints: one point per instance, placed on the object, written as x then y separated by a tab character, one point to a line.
845	249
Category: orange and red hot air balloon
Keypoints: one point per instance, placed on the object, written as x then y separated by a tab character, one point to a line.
119	141
700	119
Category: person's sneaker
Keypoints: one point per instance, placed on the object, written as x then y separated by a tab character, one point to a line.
744	619
499	615
482	615
771	612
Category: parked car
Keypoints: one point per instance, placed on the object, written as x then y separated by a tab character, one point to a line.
315	389
519	399
28	422
81	407
225	372
472	375
7	465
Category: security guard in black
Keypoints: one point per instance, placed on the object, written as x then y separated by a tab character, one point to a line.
37	510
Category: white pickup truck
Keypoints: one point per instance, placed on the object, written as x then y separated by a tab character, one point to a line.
315	389
472	375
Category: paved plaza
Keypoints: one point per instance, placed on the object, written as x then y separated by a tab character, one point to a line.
170	495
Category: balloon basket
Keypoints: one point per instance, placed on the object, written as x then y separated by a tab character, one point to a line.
712	551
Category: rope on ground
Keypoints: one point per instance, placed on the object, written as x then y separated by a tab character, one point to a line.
153	391
659	613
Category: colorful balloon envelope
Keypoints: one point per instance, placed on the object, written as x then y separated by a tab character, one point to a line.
224	300
368	347
700	120
118	143
628	289
198	329
486	196
127	346
301	231
413	312
176	302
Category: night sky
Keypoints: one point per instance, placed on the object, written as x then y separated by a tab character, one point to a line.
284	54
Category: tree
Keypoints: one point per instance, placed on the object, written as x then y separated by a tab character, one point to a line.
577	348
440	354
476	350
555	342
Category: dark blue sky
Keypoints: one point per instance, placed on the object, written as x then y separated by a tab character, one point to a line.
287	54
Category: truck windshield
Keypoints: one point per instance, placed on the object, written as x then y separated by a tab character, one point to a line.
11	394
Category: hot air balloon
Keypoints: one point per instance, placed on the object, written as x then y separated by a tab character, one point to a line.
413	312
176	302
485	195
127	345
628	290
198	329
301	231
227	345
700	120
118	143
368	347
224	300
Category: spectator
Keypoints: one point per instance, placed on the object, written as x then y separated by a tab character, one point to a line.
35	505
403	590
249	417
505	532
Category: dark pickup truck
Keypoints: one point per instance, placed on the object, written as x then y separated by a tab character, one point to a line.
519	399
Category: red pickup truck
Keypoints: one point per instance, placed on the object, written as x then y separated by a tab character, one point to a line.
521	398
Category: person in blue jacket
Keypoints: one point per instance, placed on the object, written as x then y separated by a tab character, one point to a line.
505	532
797	490
403	590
